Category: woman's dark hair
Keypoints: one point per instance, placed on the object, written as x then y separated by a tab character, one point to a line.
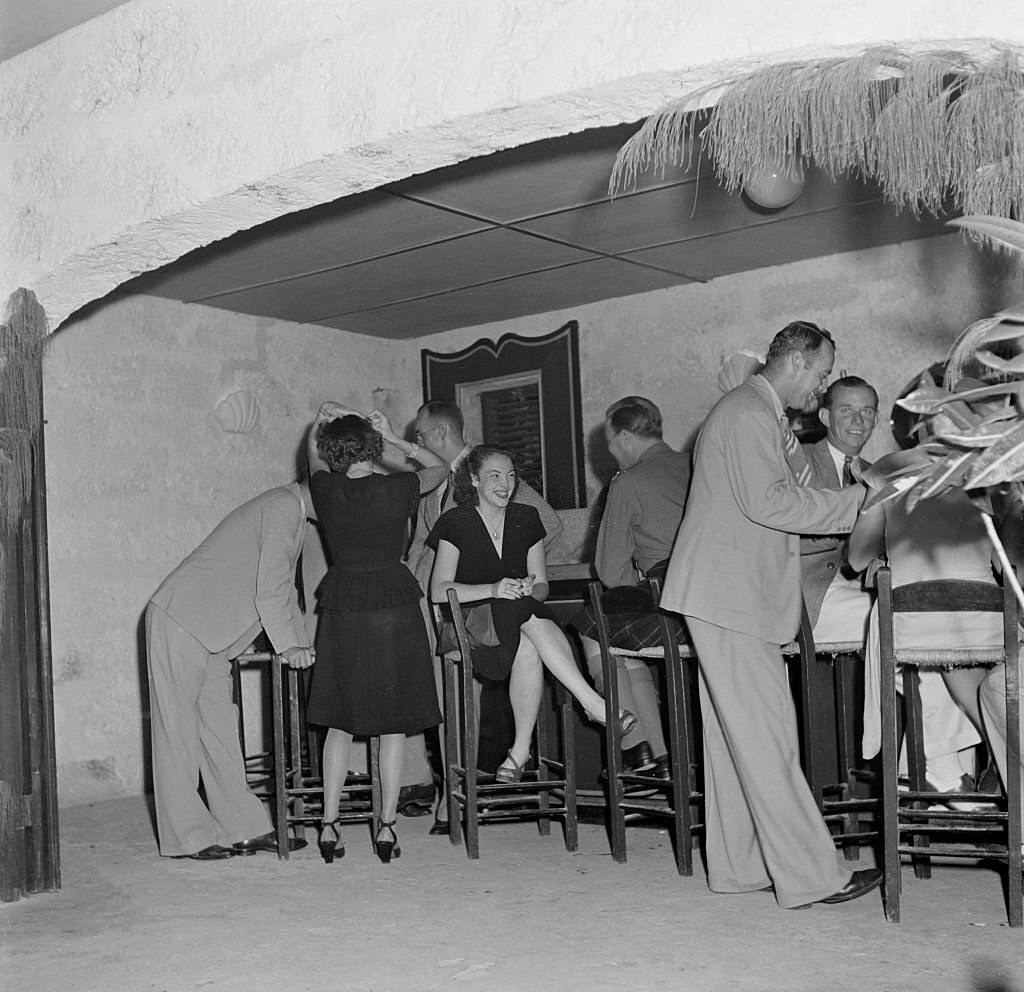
463	491
346	440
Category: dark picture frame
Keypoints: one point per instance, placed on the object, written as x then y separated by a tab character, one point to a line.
535	381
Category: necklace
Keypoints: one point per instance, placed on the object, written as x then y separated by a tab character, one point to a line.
496	529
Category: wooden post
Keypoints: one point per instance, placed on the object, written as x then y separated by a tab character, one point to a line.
29	837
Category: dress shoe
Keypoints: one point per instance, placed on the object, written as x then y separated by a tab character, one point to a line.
266	842
439	828
638	758
861	883
416	800
661	769
212	853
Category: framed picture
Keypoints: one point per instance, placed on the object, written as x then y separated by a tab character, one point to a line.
522	394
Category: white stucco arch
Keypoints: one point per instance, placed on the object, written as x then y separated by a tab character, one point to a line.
167	124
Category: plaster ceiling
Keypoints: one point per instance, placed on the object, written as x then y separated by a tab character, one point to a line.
523	231
27	23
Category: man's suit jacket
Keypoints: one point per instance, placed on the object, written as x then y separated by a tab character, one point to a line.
736	560
821	557
421	558
242	577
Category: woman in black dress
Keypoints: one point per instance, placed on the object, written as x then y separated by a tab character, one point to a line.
374	674
489	548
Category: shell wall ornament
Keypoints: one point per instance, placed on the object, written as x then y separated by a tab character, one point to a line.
238	412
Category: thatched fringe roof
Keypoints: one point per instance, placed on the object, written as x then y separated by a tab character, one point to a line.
933	128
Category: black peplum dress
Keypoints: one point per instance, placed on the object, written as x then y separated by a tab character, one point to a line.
373	672
479	562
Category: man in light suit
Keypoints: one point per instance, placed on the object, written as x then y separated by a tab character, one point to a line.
440	427
734	574
241	579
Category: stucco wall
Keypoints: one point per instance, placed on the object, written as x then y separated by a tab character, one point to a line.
166	124
138	470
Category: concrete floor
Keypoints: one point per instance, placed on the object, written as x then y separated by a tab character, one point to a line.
528	915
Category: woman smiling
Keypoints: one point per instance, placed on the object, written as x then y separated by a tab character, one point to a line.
491	549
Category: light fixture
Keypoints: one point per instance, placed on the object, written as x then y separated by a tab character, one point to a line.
776	186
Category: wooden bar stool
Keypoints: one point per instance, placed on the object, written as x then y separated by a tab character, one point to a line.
828	747
640	795
950	833
297	793
547	790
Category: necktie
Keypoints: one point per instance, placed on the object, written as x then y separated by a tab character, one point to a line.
848	479
794	453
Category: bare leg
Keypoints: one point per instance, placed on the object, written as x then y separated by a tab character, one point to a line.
963	684
525	688
627	700
556	654
392	755
337	748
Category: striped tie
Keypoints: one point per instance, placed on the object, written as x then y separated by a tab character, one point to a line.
794	454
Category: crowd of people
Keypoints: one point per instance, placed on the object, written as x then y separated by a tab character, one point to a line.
741	534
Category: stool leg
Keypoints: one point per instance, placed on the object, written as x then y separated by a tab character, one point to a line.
890	793
914	742
846	747
541	737
612	736
280	757
469	761
680	759
568	721
452	748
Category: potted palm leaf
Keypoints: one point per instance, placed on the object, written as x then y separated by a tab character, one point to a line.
974	436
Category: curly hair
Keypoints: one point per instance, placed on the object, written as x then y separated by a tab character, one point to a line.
346	440
463	491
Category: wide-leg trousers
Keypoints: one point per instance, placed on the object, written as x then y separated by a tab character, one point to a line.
194	727
763	826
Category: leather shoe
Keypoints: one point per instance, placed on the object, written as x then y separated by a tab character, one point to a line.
416	800
638	758
266	842
439	828
212	853
861	883
661	769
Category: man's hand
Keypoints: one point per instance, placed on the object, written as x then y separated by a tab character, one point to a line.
296	657
382	425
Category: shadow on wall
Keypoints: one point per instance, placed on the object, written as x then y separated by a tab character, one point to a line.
145	744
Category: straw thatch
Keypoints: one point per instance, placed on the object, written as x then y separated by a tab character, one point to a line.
936	130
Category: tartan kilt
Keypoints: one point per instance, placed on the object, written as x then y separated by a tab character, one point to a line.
631	631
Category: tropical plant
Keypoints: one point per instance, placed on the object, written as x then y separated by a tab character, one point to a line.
973	437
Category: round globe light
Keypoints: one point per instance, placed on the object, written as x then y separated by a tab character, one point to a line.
777	186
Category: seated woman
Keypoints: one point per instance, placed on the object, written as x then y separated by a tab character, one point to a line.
489	548
941	538
373	674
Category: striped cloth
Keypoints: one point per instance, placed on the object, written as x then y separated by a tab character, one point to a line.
794	454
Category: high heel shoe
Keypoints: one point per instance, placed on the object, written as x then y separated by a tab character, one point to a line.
387	849
627	721
330	848
510	771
